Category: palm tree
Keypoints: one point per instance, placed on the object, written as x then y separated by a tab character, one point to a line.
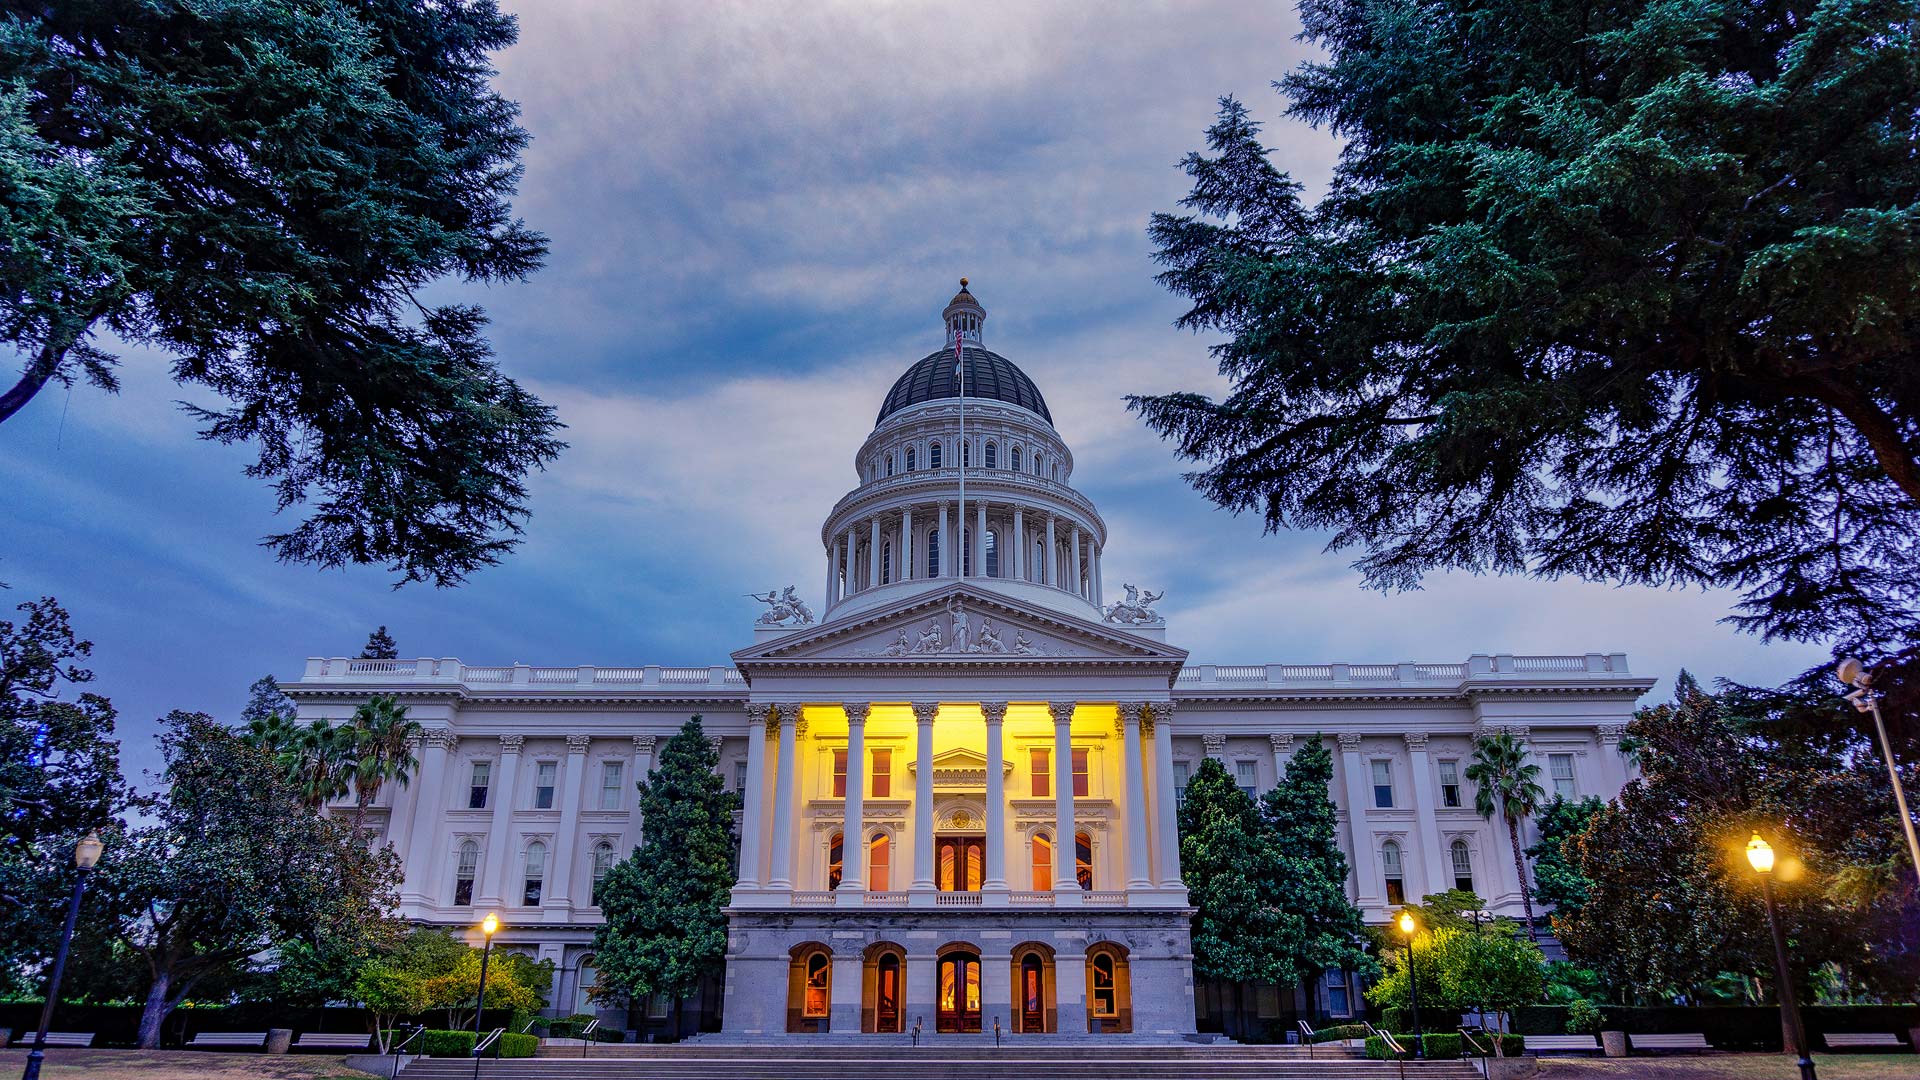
383	742
1504	783
321	760
275	733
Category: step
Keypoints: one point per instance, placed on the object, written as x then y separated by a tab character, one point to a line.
801	1063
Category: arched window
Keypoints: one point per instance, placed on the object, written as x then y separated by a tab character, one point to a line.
933	553
602	860
992	456
1042	862
536	874
819	986
933	455
1083	860
1038	564
1036	464
589	978
966	455
1103	995
910	458
879	863
1013	461
889	464
836	860
886	563
993	554
1390	866
464	871
1462	866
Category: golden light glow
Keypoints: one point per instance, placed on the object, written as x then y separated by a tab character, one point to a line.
1406	924
1760	854
489	924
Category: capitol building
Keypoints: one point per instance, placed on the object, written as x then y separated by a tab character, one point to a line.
960	773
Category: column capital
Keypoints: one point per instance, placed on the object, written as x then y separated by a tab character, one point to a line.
577	744
993	711
1161	710
1062	711
439	738
643	744
856	711
1214	743
924	712
1131	712
1349	741
510	744
1610	734
758	713
1416	741
1282	743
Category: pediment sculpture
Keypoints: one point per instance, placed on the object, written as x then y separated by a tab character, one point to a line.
783	609
1136	609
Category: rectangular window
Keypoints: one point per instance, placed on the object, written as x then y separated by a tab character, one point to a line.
839	774
1080	778
610	775
881	783
478	785
1383	784
740	777
1041	764
1338	1004
1450	783
1181	771
659	1006
463	873
1246	777
544	773
1561	767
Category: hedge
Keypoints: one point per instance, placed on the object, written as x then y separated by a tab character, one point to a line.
1442	1045
1340	1031
515	1045
439	1042
1727	1027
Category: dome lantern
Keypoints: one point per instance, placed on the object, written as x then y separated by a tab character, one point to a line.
964	317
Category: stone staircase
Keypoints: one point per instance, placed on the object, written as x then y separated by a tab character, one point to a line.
873	1057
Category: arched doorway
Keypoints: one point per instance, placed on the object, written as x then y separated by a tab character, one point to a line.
1034	1007
882	988
1109	989
957	1003
810	988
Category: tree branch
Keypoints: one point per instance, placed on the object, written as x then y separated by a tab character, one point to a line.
1874	425
35	377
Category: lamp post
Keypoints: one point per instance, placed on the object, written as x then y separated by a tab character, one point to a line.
1760	856
1407	927
487	927
1855	674
85	854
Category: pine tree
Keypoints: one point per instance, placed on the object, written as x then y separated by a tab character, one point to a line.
1303	829
379	646
664	930
1241	932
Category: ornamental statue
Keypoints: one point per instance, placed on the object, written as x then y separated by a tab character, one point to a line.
783	609
1136	609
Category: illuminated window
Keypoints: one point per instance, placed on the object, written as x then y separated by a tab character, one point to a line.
839	774
836	860
463	873
819	984
1080	780
1042	862
881	781
1040	762
1462	866
879	863
536	874
1083	860
1105	1001
1390	866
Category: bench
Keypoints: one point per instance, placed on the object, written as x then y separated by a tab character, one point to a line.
1561	1044
312	1040
1690	1041
247	1040
59	1038
1849	1040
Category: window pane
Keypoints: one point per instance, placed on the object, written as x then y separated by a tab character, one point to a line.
1246	776
1039	763
879	864
477	789
1181	771
882	782
610	773
1083	860
836	852
1382	784
1449	783
544	774
839	774
1080	774
1561	765
1042	863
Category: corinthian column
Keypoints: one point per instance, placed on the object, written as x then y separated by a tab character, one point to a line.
853	832
500	846
924	713
995	714
1139	876
1167	823
752	822
1065	883
424	822
780	875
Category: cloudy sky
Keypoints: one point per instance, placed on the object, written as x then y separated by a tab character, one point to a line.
757	211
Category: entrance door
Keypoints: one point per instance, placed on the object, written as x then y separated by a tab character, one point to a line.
961	861
959	1005
887	994
1033	995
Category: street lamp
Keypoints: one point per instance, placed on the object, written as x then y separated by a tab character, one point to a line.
1407	927
1760	856
85	854
1855	674
487	927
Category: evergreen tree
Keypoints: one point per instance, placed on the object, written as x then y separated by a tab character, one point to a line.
1556	880
260	193
1627	292
1242	933
1303	829
664	930
379	646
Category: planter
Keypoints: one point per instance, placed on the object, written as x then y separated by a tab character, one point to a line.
1614	1043
279	1040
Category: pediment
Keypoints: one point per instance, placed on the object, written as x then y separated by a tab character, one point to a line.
960	769
959	626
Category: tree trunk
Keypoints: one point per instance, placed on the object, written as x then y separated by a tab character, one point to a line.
157	1009
1520	870
31	380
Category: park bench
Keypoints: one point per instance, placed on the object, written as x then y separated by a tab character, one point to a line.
1690	1041
1851	1040
245	1040
313	1040
1561	1044
59	1038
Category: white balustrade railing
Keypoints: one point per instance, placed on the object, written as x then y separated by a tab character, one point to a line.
1024	898
886	899
956	899
1107	897
811	899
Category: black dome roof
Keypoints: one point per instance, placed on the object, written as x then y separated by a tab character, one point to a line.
989	375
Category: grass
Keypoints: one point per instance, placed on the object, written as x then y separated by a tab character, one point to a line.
71	1064
1732	1067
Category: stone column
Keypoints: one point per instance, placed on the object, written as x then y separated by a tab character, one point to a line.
500	846
1139	876
905	571
873	552
1433	855
1074	563
946	544
996	991
430	795
566	856
780	842
833	559
1053	557
1065	885
1097	594
853	833
924	713
995	714
752	830
1167	826
1364	860
980	539
1019	542
1070	988
639	765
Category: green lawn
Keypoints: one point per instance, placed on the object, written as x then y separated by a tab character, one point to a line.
178	1065
1732	1067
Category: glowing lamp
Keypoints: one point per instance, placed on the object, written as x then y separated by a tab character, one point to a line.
1406	924
489	924
1760	854
87	851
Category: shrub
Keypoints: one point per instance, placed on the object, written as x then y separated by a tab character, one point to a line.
1340	1031
1439	1045
1583	1017
515	1045
1377	1048
438	1042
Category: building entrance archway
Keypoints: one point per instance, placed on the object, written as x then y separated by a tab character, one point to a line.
957	1005
1034	1007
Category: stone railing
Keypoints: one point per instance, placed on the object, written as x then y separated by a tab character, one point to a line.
452	672
811	899
1476	668
1030	898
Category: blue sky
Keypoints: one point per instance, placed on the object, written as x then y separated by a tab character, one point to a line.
757	211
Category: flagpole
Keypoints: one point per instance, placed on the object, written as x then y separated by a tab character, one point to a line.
960	365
